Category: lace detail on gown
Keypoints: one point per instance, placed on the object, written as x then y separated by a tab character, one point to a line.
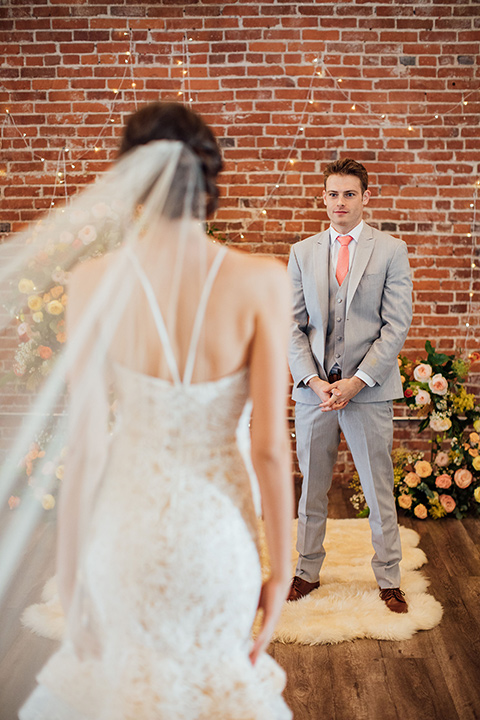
171	569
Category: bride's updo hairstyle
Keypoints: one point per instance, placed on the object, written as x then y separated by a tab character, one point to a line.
173	121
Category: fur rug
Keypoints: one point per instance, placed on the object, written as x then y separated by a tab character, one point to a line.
346	606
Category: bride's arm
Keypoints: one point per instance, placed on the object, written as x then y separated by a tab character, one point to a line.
270	442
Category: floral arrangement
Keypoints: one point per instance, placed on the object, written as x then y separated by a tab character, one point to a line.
434	388
42	470
447	485
39	298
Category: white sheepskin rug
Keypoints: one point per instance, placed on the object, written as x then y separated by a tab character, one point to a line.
346	606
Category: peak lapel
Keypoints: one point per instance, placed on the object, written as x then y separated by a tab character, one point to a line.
366	243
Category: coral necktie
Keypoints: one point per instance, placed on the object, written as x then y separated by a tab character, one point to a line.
343	256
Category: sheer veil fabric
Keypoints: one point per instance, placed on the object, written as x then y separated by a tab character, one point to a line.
144	216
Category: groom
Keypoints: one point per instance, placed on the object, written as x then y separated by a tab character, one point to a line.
352	295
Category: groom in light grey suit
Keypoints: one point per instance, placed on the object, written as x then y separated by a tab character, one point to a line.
352	294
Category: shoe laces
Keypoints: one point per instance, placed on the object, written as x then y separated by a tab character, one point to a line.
396	593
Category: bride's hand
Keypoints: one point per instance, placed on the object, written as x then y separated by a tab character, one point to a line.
272	596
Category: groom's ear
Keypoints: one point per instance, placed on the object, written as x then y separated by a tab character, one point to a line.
324	195
366	197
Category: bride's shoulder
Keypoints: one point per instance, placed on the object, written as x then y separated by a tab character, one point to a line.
257	267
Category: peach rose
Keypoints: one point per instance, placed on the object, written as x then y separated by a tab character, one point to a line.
448	503
56	292
442	459
476	463
61	337
45	352
412	480
474	438
420	511
463	478
423	468
443	481
438	384
422	372
422	398
473	452
405	501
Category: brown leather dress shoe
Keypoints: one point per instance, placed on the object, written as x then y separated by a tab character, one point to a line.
300	588
394	599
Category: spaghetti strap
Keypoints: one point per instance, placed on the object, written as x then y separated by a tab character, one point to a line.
157	316
200	315
160	323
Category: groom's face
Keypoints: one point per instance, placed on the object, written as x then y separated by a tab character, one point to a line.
344	200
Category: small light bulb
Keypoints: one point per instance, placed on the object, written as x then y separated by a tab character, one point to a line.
96	149
264	212
115	90
24	134
72	166
436	117
292	162
52	203
340	80
315	60
353	107
125	33
184	72
134	85
242	236
465	102
42	158
301	129
180	92
128	52
277	186
311	102
467	324
471	294
112	120
410	128
472	205
469	234
7	111
179	62
383	117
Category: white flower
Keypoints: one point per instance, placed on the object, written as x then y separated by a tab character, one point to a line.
440	423
100	210
438	384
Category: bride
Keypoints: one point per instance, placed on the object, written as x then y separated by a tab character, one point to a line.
170	337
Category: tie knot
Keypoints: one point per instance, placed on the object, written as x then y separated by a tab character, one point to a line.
344	240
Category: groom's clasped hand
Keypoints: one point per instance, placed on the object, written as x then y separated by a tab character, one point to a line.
336	395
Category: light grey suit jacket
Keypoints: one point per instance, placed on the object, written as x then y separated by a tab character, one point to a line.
378	313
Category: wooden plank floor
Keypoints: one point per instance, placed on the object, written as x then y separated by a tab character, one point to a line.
433	676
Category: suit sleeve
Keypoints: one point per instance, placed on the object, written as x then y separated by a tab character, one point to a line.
300	357
396	316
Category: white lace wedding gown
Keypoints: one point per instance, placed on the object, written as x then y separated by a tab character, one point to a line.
172	565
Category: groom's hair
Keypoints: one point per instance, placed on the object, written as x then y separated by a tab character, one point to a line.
347	166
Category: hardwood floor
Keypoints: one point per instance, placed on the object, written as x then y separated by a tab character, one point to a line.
433	676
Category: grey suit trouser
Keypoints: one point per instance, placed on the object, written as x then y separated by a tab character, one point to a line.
368	431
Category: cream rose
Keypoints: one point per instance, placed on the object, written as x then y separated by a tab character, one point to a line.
55	307
422	398
476	425
422	372
412	480
405	501
476	463
87	234
423	468
476	494
420	511
443	481
48	502
438	384
26	286
35	303
448	503
442	459
463	478
439	423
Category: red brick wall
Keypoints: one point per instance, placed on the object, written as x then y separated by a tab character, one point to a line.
250	71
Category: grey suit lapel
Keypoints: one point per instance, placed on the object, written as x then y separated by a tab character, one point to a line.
366	243
321	264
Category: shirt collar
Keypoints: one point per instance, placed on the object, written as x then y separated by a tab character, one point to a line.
355	233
